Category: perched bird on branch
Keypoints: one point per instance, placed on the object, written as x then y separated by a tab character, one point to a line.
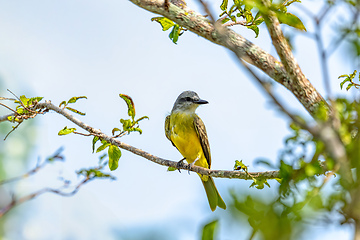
186	131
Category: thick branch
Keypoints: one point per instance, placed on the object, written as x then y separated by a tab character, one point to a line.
195	22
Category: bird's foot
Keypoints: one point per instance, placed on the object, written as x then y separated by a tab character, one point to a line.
191	165
180	164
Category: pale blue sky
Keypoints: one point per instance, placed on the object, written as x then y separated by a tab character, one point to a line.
59	49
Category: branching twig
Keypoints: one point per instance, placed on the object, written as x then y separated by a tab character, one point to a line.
15	202
38	166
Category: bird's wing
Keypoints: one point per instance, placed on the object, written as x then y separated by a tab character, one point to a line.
168	130
201	131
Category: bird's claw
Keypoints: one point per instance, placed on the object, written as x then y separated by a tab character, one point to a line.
180	164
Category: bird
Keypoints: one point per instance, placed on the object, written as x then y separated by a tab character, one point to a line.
187	132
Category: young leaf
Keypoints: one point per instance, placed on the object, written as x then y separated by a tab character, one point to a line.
255	29
165	23
76	111
130	105
74	99
239	165
62	103
95	139
24	100
115	130
114	156
208	231
142	118
291	20
224	5
103	146
66	131
174	35
343	82
34	100
170	169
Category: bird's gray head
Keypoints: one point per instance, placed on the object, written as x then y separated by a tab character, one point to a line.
188	101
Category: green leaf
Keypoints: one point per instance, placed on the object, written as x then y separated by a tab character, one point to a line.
74	99
259	183
115	130
165	23
94	141
104	145
174	35
76	111
114	156
62	103
142	118
20	110
127	124
66	131
24	100
224	5
344	75
136	129
171	169
255	29
34	100
349	86
130	105
291	20
11	118
208	231
239	165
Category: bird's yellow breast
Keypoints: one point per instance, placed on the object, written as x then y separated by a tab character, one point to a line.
186	139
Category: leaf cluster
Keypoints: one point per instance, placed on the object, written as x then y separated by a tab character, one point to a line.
349	79
258	182
64	104
128	126
253	13
166	24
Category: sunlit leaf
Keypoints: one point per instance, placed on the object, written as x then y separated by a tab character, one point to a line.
74	99
66	131
130	104
102	147
94	141
76	111
62	103
115	130
165	23
174	35
114	156
224	5
291	20
239	165
255	29
170	169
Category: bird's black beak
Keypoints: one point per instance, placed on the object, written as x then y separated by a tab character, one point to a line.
200	101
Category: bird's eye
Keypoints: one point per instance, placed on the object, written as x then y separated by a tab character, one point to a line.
188	99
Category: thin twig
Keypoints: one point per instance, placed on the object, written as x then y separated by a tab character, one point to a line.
8	107
16	202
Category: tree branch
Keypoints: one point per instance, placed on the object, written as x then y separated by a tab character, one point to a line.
15	202
174	164
249	52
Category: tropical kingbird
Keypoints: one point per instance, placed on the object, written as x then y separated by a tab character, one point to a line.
187	132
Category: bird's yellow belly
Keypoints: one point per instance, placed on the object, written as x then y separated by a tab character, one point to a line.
186	140
188	145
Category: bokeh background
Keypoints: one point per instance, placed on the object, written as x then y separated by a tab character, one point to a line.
60	49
